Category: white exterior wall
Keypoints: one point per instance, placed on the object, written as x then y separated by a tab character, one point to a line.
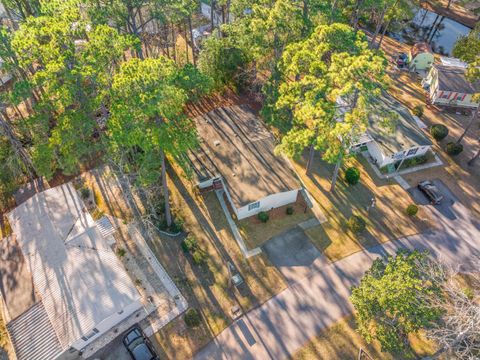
267	203
376	152
451	100
422	150
109	323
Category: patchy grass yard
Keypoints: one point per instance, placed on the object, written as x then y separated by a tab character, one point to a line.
386	221
206	287
255	232
342	341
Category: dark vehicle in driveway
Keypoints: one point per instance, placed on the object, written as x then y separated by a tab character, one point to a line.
139	346
430	191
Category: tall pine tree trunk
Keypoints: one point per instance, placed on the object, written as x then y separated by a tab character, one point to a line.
356	15
383	33
469	125
191	40
6	130
378	27
311	156
166	193
335	172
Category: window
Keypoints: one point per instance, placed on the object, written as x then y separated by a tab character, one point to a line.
459	97
445	95
253	206
412	151
90	335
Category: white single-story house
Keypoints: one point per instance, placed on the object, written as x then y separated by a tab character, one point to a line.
62	286
236	153
420	57
390	144
448	86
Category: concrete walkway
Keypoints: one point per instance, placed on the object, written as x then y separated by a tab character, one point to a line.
287	321
236	233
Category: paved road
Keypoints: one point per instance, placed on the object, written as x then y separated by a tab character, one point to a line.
283	324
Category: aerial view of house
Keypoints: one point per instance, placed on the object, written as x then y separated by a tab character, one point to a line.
420	57
390	144
239	180
237	150
73	287
448	86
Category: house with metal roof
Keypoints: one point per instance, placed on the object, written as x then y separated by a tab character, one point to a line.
448	86
236	153
420	57
390	142
62	286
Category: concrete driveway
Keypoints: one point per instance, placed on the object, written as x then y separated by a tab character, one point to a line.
276	329
447	207
293	254
113	351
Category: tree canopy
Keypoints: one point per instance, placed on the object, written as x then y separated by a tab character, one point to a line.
393	300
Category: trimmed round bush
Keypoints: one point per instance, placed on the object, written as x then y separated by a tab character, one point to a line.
192	318
352	175
418	110
453	149
356	224
290	210
412	210
439	131
263	216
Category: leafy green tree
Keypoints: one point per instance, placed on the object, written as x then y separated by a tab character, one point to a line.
391	300
329	84
69	66
222	62
147	120
467	48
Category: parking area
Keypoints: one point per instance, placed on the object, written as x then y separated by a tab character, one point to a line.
445	208
293	254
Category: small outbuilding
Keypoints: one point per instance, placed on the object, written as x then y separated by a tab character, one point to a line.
420	57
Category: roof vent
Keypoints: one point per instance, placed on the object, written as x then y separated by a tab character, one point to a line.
233	174
216	143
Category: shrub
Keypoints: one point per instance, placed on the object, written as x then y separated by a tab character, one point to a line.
263	216
199	257
121	252
189	244
352	175
192	318
412	210
418	110
290	210
85	192
356	224
439	131
414	161
453	149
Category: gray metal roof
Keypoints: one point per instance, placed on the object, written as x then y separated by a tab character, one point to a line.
78	276
236	145
33	336
401	133
452	78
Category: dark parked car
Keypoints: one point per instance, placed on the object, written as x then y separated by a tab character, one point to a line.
139	346
431	191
